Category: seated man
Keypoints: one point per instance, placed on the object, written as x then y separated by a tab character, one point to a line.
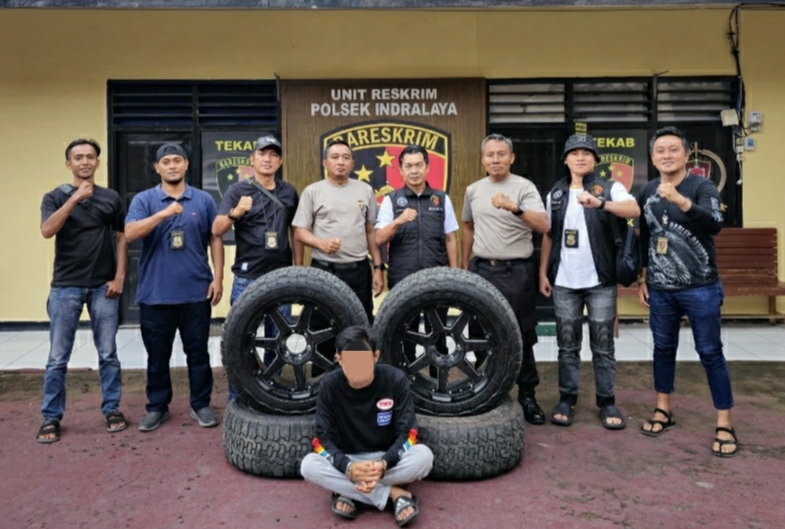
366	433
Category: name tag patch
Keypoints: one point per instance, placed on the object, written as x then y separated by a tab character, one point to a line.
383	418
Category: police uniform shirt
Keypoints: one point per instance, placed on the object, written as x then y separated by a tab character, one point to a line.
576	265
498	234
386	215
254	257
338	211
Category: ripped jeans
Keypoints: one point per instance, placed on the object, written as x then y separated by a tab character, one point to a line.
601	304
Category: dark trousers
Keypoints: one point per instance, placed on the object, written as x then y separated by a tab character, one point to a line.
360	280
159	323
517	281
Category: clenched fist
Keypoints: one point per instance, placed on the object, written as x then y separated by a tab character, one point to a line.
408	215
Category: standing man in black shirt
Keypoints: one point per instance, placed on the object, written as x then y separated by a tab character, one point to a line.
261	210
87	222
681	215
366	445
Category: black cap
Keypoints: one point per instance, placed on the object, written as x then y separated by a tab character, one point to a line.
268	141
580	141
170	148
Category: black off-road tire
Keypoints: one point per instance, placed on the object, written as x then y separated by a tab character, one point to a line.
266	445
290	384
450	384
476	447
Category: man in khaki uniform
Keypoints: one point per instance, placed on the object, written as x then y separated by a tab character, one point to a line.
499	213
336	218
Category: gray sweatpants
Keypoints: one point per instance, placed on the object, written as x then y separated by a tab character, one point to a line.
414	465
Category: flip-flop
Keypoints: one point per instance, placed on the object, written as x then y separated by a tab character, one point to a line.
351	515
50	426
611	412
114	418
400	504
665	426
722	442
563	408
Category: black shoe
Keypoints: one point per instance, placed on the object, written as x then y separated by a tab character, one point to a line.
531	410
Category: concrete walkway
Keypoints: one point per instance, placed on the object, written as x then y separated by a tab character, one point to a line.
25	350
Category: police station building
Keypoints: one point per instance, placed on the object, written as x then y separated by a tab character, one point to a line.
380	74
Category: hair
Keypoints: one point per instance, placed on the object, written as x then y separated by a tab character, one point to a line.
669	131
82	141
335	142
355	333
496	137
414	149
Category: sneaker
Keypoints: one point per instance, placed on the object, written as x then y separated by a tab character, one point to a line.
206	417
153	420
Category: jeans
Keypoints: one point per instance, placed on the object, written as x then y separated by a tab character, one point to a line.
64	307
238	287
159	323
568	304
701	305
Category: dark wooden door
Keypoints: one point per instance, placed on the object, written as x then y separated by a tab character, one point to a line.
134	156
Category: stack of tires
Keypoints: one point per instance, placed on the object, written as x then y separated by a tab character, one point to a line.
458	340
268	428
450	331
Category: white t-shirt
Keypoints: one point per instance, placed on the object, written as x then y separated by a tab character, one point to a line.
386	215
576	265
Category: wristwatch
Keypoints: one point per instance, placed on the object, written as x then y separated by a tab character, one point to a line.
230	215
602	202
381	267
518	212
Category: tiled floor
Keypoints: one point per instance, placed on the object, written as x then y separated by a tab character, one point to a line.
30	349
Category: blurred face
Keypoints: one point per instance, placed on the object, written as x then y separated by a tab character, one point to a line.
414	170
339	162
669	156
358	367
172	168
83	161
580	161
497	159
266	161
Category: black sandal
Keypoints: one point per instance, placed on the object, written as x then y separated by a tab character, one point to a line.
114	418
611	412
563	408
50	426
665	426
400	504
723	442
351	515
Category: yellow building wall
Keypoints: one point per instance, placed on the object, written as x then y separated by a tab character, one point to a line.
55	65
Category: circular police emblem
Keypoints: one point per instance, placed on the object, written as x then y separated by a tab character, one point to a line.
557	194
401	201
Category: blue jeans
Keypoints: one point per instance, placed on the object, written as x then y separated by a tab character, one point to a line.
64	307
159	323
568	304
238	287
701	305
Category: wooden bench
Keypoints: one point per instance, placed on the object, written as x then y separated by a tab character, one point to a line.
747	263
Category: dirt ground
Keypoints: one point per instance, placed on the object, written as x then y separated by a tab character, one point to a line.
582	476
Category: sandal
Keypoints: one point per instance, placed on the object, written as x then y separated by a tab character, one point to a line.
563	408
611	412
116	419
400	504
664	426
723	442
50	426
351	515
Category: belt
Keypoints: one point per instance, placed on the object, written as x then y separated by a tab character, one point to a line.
340	266
503	262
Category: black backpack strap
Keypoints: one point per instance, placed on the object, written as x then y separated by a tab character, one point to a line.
267	193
